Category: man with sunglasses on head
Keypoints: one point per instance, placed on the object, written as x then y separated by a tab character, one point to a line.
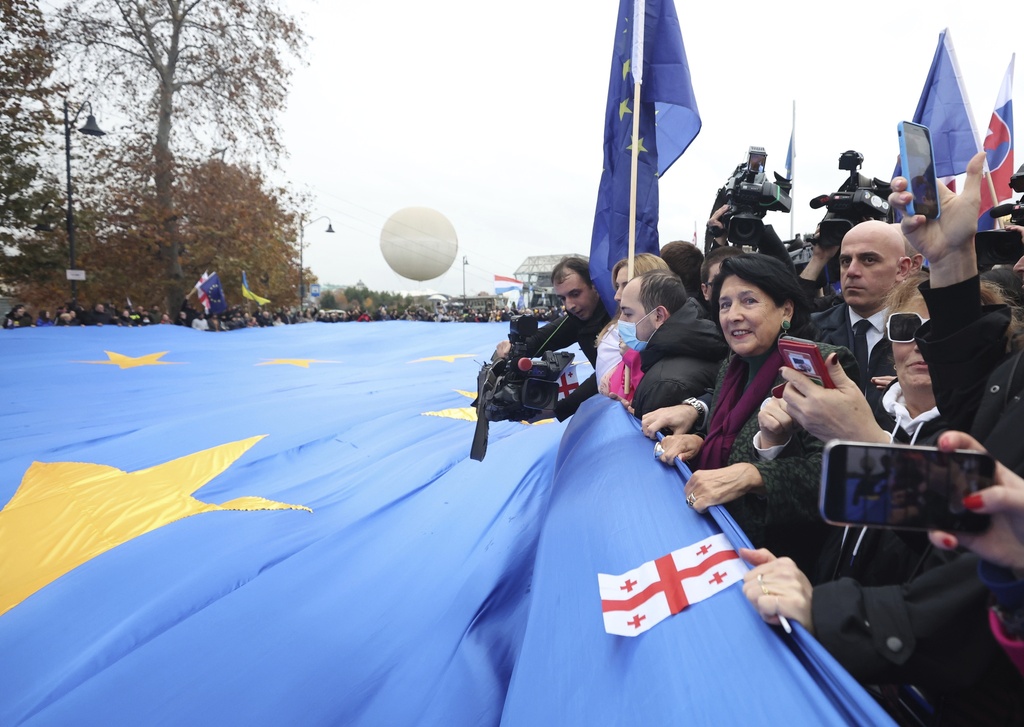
872	260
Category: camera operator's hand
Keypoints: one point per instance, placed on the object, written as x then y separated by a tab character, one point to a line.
717	228
948	242
1003	542
820	255
679	418
502	350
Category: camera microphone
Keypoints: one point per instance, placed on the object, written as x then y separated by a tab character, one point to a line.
524	364
1001	210
819	202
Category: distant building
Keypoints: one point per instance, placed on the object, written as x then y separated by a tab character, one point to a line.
535	272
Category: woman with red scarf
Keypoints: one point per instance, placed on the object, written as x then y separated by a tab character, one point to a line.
773	497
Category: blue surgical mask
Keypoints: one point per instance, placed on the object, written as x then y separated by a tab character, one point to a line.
627	332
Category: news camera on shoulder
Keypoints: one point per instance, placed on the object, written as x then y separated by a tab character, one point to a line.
858	199
1003	247
516	387
750	195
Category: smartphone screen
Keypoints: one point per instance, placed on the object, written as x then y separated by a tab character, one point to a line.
804	356
916	488
919	169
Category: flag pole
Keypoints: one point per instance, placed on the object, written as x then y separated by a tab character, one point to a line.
637	69
792	175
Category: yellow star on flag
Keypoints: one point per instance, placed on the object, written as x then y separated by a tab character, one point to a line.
131	362
67	513
625	69
449	359
624	109
302	362
630	147
468	413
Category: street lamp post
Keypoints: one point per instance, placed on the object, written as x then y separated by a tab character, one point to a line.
465	262
302	240
92	129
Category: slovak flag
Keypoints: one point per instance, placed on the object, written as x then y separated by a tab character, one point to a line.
999	150
635	601
505	285
568	382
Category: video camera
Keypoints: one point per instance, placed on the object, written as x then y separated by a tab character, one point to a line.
516	387
1003	247
857	199
750	196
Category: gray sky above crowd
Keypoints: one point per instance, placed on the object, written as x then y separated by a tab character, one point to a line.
493	115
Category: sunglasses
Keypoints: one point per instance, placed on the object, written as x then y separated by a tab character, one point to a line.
903	327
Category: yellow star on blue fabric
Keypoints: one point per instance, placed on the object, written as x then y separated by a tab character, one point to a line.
624	109
300	362
630	147
131	362
64	514
449	359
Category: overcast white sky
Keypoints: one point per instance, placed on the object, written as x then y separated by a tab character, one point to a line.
492	114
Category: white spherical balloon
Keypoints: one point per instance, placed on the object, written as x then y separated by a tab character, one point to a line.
419	243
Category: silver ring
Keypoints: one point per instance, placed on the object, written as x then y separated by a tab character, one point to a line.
691	499
658	450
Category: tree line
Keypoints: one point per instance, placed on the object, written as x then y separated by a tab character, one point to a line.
181	188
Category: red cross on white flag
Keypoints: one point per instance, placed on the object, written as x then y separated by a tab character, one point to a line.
635	601
567	382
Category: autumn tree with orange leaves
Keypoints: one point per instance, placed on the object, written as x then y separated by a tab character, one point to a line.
184	74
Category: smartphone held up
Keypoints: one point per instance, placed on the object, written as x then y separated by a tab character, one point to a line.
918	164
903	487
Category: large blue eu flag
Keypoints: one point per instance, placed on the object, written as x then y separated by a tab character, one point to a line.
669	121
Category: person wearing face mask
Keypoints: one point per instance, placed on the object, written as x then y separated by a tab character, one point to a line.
680	350
609	354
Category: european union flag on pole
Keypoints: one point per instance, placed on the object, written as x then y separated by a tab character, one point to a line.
945	110
999	151
669	121
215	294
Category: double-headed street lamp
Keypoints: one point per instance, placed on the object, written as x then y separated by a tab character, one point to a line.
92	129
302	239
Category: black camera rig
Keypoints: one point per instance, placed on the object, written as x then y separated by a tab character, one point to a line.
516	387
859	198
1003	247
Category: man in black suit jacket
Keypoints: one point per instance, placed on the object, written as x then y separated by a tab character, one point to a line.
872	260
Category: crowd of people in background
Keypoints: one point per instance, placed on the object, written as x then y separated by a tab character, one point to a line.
236	317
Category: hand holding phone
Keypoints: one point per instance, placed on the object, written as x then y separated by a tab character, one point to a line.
804	356
903	487
918	163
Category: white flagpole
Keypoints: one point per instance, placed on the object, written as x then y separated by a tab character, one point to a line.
792	168
637	70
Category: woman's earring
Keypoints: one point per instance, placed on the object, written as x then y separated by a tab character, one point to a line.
785	325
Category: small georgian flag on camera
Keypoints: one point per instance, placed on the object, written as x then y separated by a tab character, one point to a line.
634	602
567	382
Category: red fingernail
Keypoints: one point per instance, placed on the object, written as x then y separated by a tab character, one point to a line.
973	501
949	542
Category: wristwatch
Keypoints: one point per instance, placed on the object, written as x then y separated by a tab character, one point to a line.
702	410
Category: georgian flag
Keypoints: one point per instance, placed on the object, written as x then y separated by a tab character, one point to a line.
635	601
203	297
568	382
